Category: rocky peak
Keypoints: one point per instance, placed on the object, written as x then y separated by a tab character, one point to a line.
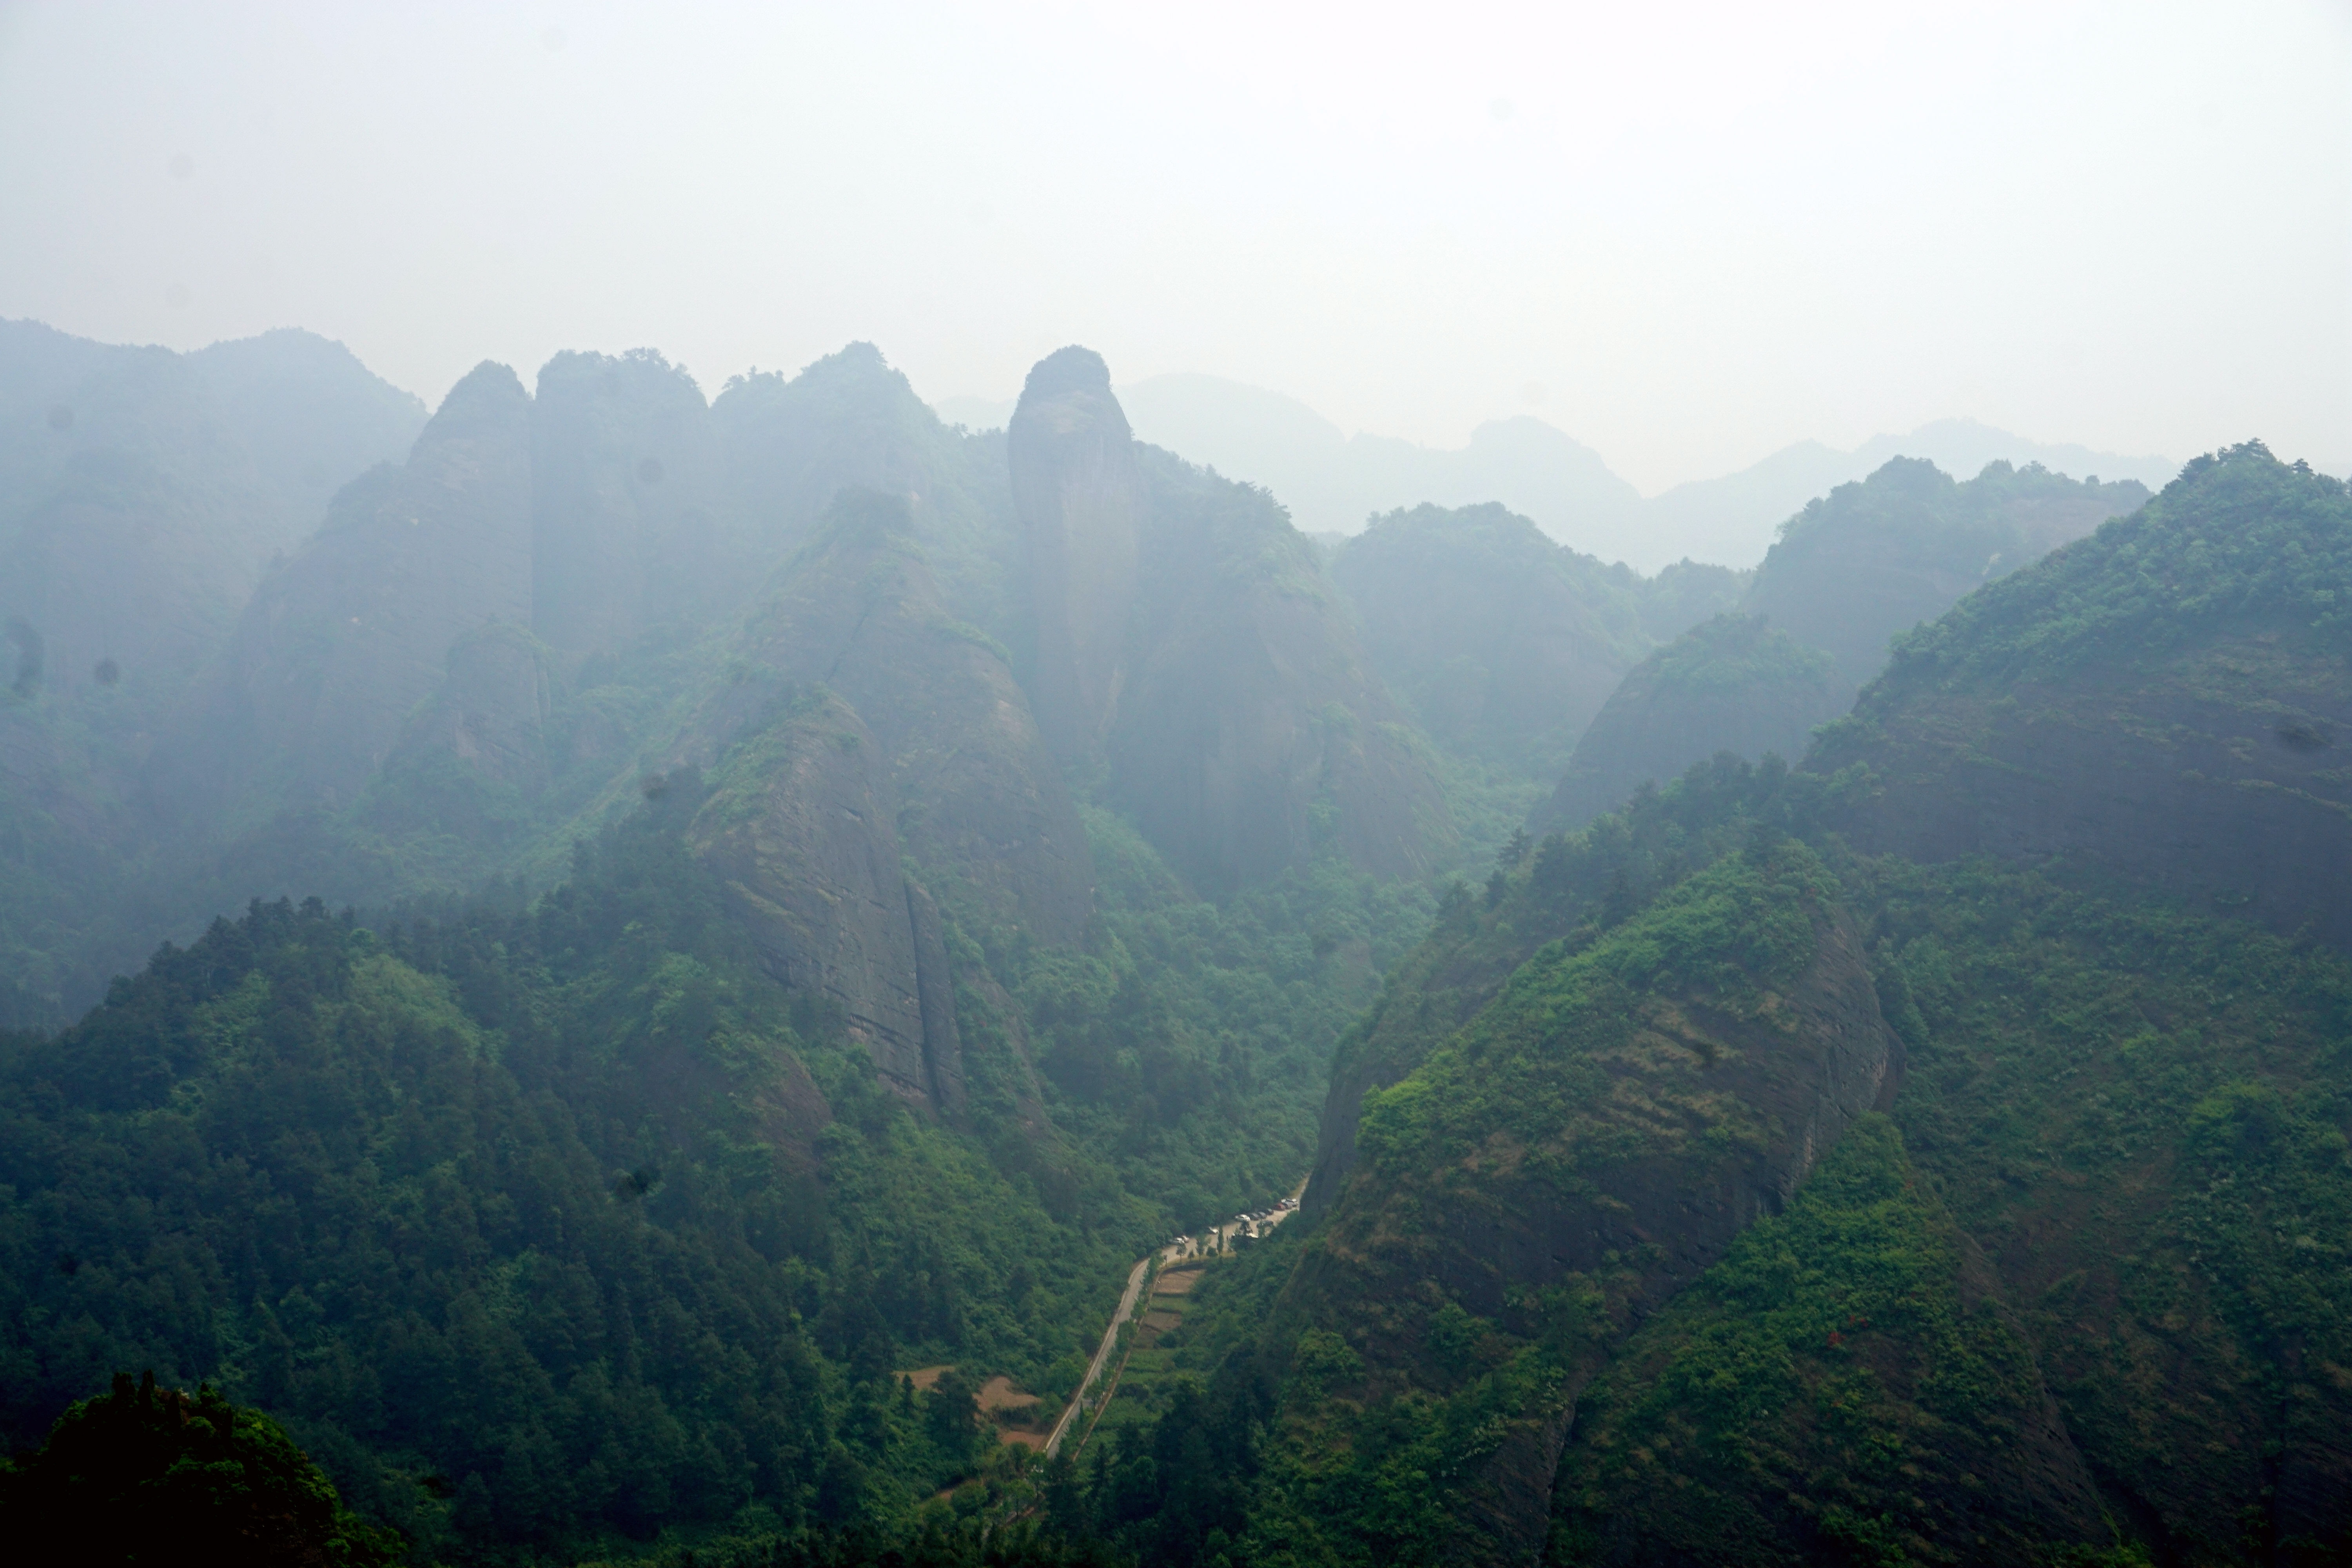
976	795
344	637
1079	496
621	455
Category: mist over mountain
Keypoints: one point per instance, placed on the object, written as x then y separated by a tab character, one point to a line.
1332	482
1725	518
631	972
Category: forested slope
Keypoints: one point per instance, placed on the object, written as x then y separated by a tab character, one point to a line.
1735	683
832	889
2170	697
552	1225
1614	1262
1852	572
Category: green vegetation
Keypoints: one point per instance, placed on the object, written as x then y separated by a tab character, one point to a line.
536	1225
1186	1043
1834	1388
143	1475
2087	1284
1736	653
1533	1072
2239	537
1735	683
1871	560
768	1031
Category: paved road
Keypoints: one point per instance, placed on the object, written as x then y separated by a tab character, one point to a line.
1218	1238
1102	1351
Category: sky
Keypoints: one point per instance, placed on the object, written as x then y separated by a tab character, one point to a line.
1687	234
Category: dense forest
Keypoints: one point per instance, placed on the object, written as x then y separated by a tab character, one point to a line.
625	977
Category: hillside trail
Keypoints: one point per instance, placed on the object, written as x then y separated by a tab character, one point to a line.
1219	1240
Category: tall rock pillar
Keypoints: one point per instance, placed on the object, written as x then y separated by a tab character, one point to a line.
1080	499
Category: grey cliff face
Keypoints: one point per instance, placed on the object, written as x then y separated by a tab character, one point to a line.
622	454
800	832
974	792
1793	1077
490	714
2217	776
1079	496
341	642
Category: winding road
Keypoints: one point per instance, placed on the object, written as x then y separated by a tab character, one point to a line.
1219	1238
1135	1278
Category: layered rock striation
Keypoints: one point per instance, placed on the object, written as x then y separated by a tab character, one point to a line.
799	827
1606	1126
2169	699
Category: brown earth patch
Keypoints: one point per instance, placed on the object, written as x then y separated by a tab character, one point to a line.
928	1377
1176	1283
1160	1321
1000	1396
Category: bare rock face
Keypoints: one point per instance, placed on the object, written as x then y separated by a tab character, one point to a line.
622	459
1735	684
490	713
344	639
1080	497
1185	635
1254	731
2169	699
799	828
977	798
1683	1114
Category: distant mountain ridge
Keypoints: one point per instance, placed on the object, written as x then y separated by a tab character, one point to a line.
1332	482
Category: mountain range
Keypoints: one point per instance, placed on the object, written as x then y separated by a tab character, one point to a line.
1331	481
602	973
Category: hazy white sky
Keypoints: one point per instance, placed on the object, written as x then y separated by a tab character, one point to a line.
1687	234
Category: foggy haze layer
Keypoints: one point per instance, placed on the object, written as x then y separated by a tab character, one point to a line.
1688	239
